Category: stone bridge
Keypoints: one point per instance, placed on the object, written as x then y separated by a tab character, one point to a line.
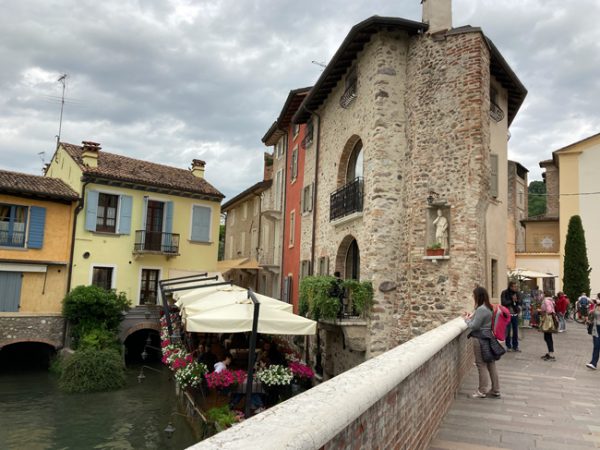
45	328
418	396
144	317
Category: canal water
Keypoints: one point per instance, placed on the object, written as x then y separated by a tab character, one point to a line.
35	415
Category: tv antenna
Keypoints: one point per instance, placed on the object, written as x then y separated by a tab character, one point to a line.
62	80
319	63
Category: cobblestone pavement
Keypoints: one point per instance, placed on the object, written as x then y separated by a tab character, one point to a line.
544	405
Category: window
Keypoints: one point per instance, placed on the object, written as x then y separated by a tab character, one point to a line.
281	147
287	289
294	165
307	198
494	175
108	213
355	163
350	90
308	136
231	240
201	219
149	287
353	262
292	227
103	277
106	218
304	268
323	265
296	129
13	223
278	189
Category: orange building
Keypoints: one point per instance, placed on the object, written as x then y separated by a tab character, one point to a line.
36	225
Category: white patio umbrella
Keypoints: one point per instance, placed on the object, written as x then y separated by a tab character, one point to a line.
526	273
238	317
227	295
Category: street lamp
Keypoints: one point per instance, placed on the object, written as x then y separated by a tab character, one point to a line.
170	428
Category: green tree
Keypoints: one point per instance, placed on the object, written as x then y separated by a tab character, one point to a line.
221	256
537	198
576	270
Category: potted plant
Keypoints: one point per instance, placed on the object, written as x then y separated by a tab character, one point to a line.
435	249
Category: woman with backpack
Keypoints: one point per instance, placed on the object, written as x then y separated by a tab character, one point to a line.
549	325
485	346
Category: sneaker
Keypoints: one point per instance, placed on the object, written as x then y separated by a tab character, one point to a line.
549	358
590	366
478	394
545	357
493	394
518	350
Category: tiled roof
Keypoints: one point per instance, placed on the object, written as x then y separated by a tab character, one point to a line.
34	185
252	190
122	168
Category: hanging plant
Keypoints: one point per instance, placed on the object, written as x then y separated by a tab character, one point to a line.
361	294
316	300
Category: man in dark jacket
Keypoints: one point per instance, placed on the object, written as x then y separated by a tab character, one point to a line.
510	298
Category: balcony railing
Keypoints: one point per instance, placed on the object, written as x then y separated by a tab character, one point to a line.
156	242
349	95
308	137
346	200
12	239
496	112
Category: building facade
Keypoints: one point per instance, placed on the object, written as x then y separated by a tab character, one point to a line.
138	222
517	211
36	224
411	131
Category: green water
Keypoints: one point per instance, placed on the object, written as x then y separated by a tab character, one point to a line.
34	414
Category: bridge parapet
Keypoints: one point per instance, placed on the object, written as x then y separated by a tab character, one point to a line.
395	400
46	328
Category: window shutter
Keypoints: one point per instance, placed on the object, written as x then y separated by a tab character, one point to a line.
285	294
91	211
310	196
125	206
37	220
145	212
169	218
289	286
494	180
201	224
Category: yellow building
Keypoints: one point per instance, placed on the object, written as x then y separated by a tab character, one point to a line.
139	222
36	222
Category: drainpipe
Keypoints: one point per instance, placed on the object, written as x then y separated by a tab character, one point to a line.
77	211
284	194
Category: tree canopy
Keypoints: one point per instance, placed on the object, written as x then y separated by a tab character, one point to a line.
576	271
537	203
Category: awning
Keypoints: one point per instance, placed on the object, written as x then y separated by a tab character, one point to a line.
237	318
242	263
526	273
223	296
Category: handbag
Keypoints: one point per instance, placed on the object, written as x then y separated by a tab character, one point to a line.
548	324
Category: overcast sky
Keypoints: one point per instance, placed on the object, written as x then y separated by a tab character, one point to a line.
172	80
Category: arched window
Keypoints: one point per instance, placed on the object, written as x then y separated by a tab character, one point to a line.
352	266
355	163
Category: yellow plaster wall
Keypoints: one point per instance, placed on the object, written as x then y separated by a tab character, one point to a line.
57	232
497	214
44	292
537	231
114	250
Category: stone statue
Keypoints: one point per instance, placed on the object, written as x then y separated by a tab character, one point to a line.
441	230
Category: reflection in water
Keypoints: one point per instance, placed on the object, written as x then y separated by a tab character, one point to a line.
36	415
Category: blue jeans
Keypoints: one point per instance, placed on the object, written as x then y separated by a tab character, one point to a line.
596	351
514	325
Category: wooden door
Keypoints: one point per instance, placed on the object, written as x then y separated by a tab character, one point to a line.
10	291
154	225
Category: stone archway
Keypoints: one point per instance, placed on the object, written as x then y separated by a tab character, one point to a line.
341	258
347	154
55	345
150	325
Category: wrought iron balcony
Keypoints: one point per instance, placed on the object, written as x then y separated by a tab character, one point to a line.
12	239
496	112
156	242
349	95
308	137
346	200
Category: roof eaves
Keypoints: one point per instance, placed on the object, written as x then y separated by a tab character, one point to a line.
255	189
345	55
568	147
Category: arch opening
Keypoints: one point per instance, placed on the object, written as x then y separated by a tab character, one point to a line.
30	355
142	347
347	261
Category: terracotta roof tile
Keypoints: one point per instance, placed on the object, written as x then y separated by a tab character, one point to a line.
26	184
122	168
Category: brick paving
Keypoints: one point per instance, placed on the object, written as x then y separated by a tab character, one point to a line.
544	405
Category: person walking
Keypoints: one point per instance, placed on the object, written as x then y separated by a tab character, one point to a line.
547	326
486	348
594	319
562	303
510	299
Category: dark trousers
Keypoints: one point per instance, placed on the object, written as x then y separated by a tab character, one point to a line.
596	352
549	342
514	326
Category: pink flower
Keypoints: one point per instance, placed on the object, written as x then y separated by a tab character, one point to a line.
165	343
301	370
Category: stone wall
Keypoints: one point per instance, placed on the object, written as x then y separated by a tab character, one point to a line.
552	187
21	327
395	400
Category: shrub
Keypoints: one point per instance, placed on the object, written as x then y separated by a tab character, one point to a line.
92	370
98	339
316	299
222	416
576	271
90	307
361	294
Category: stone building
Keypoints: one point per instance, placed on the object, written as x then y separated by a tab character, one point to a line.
517	211
411	122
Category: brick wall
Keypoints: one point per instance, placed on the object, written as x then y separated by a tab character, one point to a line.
395	400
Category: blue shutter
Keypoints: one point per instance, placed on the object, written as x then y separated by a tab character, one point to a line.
10	286
169	218
91	210
125	205
37	220
200	224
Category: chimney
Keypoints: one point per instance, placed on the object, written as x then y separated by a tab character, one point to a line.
90	153
438	14
198	168
268	167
